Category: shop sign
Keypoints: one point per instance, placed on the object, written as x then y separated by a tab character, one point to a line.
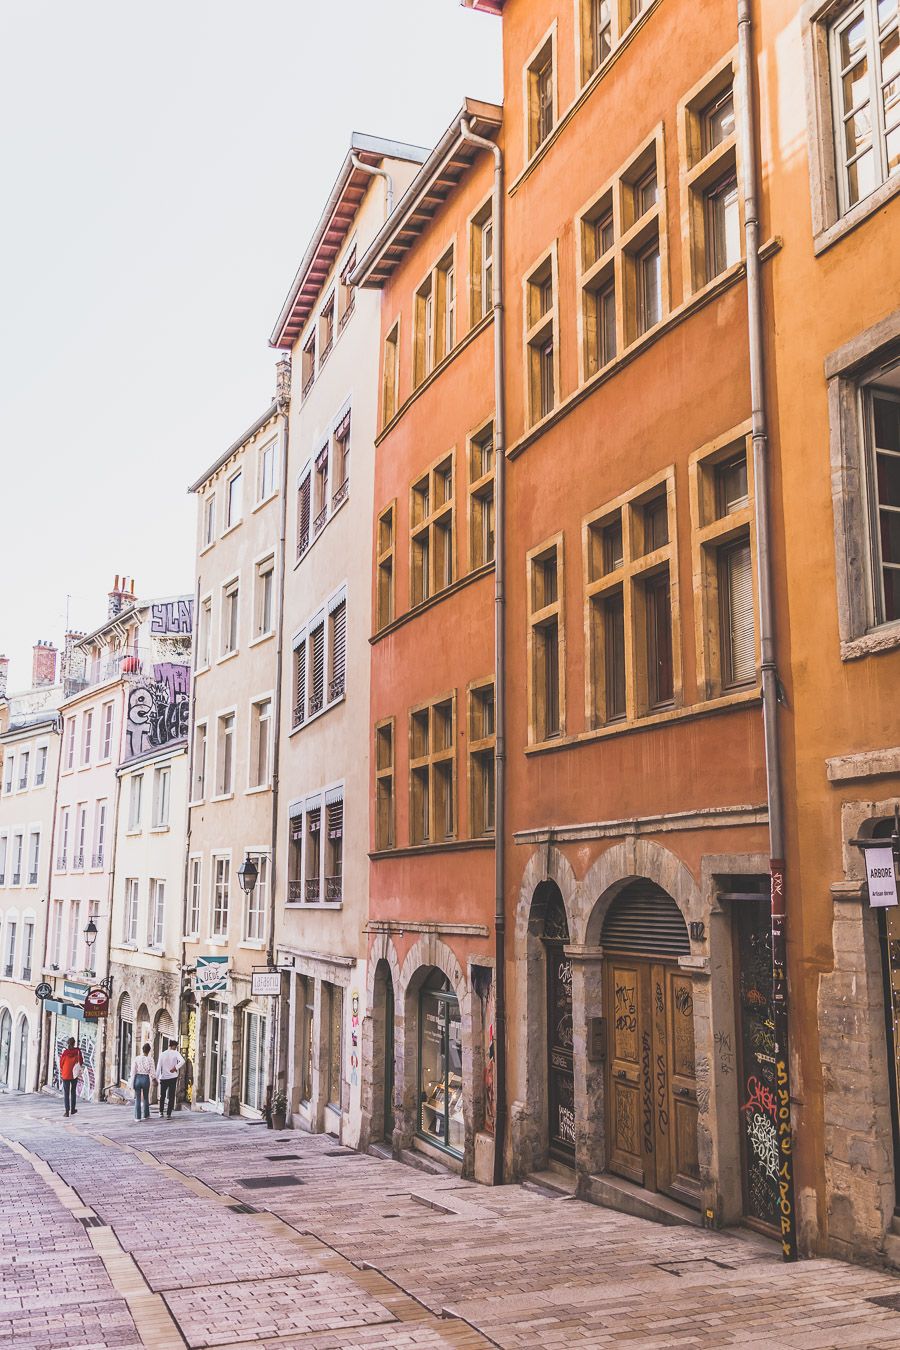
74	991
880	876
265	983
212	974
96	1004
44	990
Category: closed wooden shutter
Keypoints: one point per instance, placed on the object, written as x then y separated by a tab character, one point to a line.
299	683
336	820
736	585
317	671
338	650
342	431
645	921
314	819
303	514
126	1010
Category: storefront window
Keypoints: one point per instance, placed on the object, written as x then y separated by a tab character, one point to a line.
440	1065
126	1050
215	1037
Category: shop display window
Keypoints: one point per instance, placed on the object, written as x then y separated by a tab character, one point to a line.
440	1066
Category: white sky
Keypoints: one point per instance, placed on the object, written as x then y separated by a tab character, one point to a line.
161	170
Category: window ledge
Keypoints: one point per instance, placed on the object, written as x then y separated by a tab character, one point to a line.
206	548
201	670
231	528
199	802
883	639
127	946
459	584
297	905
857	214
264	501
260	787
160	829
444	846
705	708
222	797
228	656
218	942
261	637
252	945
131	833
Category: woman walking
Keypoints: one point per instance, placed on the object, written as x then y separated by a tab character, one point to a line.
142	1070
71	1067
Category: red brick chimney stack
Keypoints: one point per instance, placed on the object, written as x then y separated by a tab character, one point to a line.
43	664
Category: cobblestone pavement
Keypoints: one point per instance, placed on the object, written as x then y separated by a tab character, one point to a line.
117	1234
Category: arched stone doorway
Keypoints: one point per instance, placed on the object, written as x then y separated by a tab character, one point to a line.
549	914
651	1084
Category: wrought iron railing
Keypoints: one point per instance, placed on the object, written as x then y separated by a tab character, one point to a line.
309	384
316	704
302	544
78	862
341	494
348	311
97	860
298	715
335	687
32	878
16	878
319	522
311	889
334	888
61	862
295	892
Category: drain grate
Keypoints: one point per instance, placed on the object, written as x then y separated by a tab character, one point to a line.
93	1222
243	1209
283	1157
891	1301
260	1183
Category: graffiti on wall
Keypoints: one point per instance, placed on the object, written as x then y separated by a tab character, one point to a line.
158	709
172	616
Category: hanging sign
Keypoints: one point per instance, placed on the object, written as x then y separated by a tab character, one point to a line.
212	974
96	1004
44	990
880	876
74	990
265	983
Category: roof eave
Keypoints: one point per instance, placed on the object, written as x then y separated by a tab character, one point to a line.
235	446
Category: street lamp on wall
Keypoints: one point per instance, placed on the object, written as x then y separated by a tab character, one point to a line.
90	934
248	873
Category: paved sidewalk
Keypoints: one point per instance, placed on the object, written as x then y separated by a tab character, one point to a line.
339	1250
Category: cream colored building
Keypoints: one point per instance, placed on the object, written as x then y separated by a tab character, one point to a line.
239	523
29	754
333	333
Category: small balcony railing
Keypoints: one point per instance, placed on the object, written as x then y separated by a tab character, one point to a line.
295	892
32	878
2	878
78	862
309	384
348	311
23	783
335	688
311	890
97	860
334	888
302	544
299	715
319	522
26	973
8	970
16	879
61	862
316	704
341	494
323	354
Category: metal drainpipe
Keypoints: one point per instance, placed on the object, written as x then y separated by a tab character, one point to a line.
44	1019
377	173
284	405
749	133
499	649
187	857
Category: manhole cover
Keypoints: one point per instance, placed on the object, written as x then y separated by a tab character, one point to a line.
243	1209
92	1222
891	1301
259	1183
283	1157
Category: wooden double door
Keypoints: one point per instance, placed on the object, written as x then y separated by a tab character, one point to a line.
651	1076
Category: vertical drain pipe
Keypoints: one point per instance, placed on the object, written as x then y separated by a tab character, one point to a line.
499	650
761	485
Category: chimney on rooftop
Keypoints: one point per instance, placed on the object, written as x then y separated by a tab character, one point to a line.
73	663
43	664
4	671
121	596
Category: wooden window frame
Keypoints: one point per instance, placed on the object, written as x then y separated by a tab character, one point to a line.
345	292
539	617
540	326
308	363
425	526
385	820
230	588
390	375
710	532
628	578
481	757
427	764
480	304
327	322
430	346
480	491
384	566
701	171
546	50
617	267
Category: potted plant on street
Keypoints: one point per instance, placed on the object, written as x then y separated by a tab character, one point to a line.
279	1110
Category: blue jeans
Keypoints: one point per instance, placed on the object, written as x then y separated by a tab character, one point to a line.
70	1086
141	1092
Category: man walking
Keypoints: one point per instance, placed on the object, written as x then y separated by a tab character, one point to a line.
71	1067
167	1070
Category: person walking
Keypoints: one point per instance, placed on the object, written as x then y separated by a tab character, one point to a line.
142	1070
71	1067
167	1069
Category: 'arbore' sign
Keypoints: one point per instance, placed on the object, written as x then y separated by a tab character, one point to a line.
881	878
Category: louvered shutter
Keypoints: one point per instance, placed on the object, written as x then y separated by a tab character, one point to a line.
338	650
299	683
740	634
336	820
317	673
126	1009
342	431
303	514
314	819
644	920
251	1031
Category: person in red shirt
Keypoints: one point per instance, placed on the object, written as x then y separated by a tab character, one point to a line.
71	1064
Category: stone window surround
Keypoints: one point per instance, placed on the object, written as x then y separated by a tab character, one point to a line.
830	223
859	636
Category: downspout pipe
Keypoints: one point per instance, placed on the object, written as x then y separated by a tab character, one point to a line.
377	173
497	300
283	400
749	132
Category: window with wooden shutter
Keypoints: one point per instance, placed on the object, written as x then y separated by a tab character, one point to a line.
313	854
338	624
736	619
304	502
341	462
334	810
300	683
317	669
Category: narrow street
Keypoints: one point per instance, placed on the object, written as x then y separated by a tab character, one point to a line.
213	1232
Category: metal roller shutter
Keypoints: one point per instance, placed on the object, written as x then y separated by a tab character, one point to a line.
645	921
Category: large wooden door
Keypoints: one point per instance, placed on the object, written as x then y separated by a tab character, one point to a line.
652	1089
